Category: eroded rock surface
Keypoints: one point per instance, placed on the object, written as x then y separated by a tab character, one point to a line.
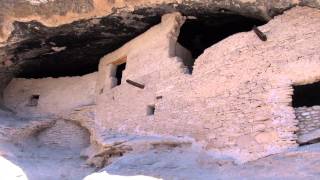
148	157
301	163
56	34
42	148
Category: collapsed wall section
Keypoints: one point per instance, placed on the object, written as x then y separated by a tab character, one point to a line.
65	135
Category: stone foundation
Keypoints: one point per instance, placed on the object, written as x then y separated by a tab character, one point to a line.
309	122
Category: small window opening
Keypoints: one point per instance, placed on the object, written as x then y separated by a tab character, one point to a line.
119	72
33	100
150	110
199	33
101	91
306	95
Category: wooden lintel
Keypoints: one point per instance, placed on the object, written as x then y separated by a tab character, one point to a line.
259	33
138	85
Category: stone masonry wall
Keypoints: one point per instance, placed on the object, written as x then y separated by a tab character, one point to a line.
56	95
65	134
309	119
236	102
238	99
125	106
239	96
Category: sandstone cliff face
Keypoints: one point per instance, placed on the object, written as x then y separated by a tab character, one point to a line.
57	12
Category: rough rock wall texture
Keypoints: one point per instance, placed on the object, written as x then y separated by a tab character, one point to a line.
83	115
56	95
309	119
57	12
65	134
14	129
237	101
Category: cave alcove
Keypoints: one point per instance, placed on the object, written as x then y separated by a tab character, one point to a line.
75	49
200	32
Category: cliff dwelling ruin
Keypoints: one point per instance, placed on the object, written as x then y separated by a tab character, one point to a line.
306	102
176	89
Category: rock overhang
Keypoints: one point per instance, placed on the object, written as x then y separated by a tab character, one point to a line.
68	38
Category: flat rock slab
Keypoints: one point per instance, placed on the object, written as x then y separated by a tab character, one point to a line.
301	163
309	137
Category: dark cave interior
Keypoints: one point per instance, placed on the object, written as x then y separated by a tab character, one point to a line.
72	49
75	49
119	71
306	95
201	32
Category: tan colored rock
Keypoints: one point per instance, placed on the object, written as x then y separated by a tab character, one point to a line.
266	137
246	141
52	13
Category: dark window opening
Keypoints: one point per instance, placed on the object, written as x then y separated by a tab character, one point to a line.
55	68
33	100
197	34
119	71
150	110
306	95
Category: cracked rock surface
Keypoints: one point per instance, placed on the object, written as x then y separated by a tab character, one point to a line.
54	35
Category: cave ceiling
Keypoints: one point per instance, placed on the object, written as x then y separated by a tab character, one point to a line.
67	37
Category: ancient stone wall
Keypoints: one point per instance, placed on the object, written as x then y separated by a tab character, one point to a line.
126	106
309	122
309	119
65	134
35	97
239	95
237	101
